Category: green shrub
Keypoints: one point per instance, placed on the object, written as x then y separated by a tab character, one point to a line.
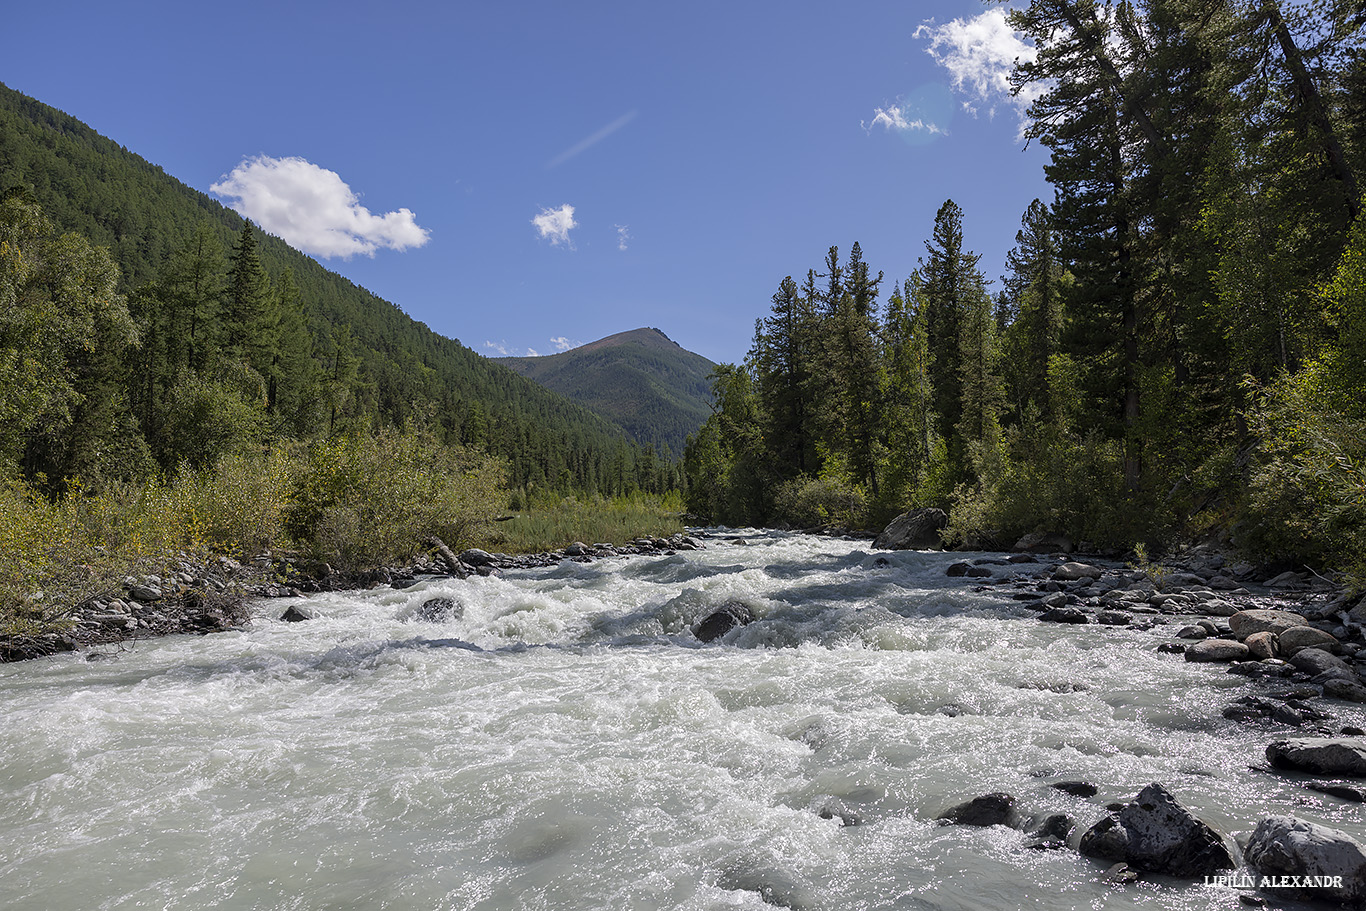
238	505
361	502
806	502
550	525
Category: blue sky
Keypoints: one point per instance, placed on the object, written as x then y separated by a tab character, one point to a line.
429	151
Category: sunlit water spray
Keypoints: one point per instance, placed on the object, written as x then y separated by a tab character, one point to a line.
567	743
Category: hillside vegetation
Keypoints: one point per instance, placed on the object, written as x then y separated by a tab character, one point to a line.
1178	347
641	380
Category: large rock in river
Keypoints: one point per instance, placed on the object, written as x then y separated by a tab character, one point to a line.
988	810
1156	834
1245	623
1320	755
915	530
722	621
1217	650
1298	638
1333	862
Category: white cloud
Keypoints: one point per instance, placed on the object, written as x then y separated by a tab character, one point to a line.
313	209
556	224
623	235
588	142
564	344
979	54
500	347
894	118
532	352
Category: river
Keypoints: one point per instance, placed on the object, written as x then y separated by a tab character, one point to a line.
568	744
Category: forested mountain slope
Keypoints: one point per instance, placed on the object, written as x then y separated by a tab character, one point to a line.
395	368
641	380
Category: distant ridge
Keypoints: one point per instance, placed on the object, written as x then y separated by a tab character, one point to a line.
642	380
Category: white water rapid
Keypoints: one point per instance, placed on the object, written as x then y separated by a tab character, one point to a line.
569	744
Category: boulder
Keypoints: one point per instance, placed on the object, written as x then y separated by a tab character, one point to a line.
578	549
476	557
1155	834
1217	650
988	810
1245	623
1076	788
720	622
1315	661
1314	860
145	593
1114	618
915	530
298	614
1069	572
958	569
1064	615
1298	638
1342	688
1044	543
1320	756
1262	645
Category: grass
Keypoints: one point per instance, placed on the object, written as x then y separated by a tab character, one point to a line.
552	525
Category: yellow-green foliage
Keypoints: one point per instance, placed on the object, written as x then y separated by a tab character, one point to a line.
807	502
237	506
60	555
550	525
361	502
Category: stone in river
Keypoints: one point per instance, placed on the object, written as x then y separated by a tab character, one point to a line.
994	809
1217	650
1064	615
1320	756
1262	645
1245	623
1069	572
722	621
297	614
1156	834
1323	862
1298	638
915	530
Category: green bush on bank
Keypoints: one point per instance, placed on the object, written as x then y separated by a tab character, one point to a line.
552	522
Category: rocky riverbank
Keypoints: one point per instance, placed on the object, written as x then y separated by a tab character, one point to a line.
207	596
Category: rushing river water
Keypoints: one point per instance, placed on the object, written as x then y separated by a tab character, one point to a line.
568	744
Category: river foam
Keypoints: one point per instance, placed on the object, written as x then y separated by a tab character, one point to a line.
567	743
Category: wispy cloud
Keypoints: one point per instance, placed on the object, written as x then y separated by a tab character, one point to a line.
564	344
979	54
895	118
313	209
555	224
623	235
500	348
588	142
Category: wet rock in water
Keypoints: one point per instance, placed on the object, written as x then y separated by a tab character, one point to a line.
1156	834
996	809
1171	648
1217	650
1114	618
1262	645
578	549
298	614
1314	860
1076	788
722	621
1070	572
476	558
1120	873
1345	756
1192	632
440	610
834	808
1245	623
915	530
1340	791
958	569
1342	688
1298	638
1315	661
1064	615
1050	831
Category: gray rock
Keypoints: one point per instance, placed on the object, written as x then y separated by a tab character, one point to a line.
1114	618
145	593
915	530
1217	650
439	610
1069	572
1192	632
1315	661
1262	645
1076	788
1333	861
1320	756
1298	638
1341	688
297	614
578	549
720	622
988	810
958	569
1044	543
1064	615
476	557
1156	834
1245	623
